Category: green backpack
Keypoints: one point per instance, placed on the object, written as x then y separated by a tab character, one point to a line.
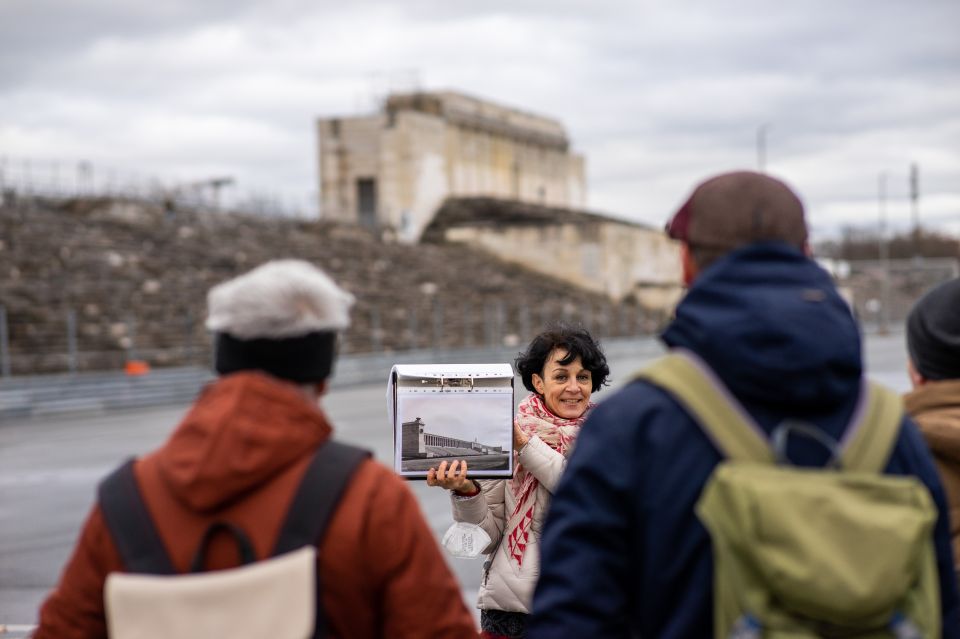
840	551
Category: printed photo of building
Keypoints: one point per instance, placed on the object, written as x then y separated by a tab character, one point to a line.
421	450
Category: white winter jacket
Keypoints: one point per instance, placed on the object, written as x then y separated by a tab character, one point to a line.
504	585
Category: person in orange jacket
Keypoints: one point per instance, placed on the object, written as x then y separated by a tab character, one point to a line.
239	455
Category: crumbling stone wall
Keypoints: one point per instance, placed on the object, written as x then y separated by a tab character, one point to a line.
128	280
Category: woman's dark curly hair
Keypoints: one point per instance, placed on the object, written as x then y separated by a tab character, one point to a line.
576	341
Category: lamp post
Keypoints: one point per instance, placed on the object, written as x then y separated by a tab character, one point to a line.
762	147
884	252
915	206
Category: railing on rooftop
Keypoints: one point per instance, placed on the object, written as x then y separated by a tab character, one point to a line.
24	177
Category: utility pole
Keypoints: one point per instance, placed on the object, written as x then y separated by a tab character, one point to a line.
884	253
915	206
762	148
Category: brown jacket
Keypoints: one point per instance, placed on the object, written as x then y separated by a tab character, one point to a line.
935	406
239	455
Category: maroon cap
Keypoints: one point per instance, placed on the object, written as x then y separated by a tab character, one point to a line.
740	208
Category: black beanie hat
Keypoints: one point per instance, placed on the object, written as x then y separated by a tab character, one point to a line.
305	359
933	333
282	318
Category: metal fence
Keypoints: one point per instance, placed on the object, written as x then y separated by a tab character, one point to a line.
71	342
882	292
26	178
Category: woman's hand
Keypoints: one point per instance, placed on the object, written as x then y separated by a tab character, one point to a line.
452	478
520	438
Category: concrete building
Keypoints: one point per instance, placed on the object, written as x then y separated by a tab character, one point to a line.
411	442
447	168
394	169
418	444
618	258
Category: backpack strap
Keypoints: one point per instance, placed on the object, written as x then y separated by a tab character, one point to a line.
142	551
868	449
130	524
320	490
737	435
245	552
728	425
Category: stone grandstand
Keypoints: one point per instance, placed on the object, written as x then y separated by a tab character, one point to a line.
92	283
452	451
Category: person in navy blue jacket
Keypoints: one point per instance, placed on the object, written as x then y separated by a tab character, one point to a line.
624	555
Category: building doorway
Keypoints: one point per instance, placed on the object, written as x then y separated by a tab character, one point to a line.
367	202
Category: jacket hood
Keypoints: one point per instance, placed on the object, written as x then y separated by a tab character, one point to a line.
243	430
771	324
935	406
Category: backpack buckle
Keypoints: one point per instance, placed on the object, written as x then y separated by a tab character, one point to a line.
747	627
903	628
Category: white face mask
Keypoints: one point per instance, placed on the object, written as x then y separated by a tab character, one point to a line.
465	540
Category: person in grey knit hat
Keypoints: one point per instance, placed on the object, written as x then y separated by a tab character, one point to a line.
281	318
254	452
933	343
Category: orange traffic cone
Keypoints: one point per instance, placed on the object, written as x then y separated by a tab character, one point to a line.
136	367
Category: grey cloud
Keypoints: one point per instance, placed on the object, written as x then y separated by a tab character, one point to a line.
654	93
37	35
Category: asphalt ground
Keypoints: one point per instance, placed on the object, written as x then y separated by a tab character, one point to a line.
49	468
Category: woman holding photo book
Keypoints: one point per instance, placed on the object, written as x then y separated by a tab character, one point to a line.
561	368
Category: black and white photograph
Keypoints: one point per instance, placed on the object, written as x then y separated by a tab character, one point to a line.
454	425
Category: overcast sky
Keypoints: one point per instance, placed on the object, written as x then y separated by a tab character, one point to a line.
656	95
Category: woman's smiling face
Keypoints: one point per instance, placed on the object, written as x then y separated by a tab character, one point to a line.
565	388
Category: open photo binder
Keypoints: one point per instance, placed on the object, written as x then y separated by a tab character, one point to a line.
447	412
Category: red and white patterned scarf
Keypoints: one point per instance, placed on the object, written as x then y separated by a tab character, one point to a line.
534	418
